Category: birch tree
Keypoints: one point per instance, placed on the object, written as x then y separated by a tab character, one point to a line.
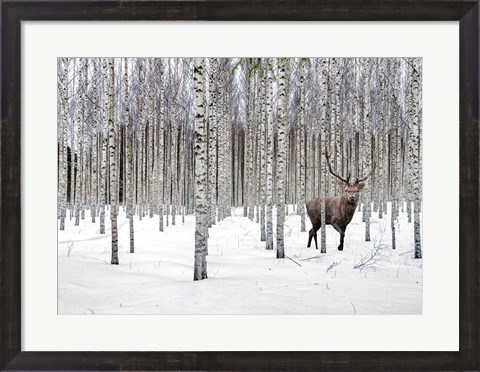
112	160
415	153
104	142
281	168
201	207
263	154
94	203
161	159
78	149
269	168
212	140
323	146
83	151
302	146
62	184
129	163
367	138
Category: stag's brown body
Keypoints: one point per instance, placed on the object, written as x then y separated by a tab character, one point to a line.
339	212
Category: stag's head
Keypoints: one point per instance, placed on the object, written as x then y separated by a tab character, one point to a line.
351	189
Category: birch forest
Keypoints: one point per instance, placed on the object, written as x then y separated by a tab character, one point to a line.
146	144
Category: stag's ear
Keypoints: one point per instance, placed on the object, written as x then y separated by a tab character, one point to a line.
340	183
360	186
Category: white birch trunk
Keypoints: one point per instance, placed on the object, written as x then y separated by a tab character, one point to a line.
415	151
263	158
367	141
269	185
113	165
103	175
84	139
104	142
151	140
212	161
141	143
226	181
128	187
173	165
380	142
323	148
250	147
94	202
302	151
78	149
62	189
282	155
201	201
161	149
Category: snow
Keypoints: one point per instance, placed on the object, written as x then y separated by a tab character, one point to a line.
243	277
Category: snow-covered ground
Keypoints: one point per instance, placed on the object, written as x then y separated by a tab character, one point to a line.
243	277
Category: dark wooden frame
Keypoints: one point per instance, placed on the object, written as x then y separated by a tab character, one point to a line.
15	11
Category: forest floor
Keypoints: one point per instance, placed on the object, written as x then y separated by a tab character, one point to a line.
243	277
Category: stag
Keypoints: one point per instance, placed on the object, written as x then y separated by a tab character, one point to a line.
339	209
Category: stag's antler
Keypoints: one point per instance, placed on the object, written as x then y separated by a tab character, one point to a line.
368	175
332	172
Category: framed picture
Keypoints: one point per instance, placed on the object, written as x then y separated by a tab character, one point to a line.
95	117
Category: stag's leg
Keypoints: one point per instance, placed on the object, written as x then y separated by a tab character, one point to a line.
310	236
340	247
313	232
342	235
315	237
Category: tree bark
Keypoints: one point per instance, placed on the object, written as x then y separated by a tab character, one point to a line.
282	148
269	185
62	186
201	207
113	165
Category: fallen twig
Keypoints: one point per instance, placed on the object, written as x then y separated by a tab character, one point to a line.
311	258
334	263
291	259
